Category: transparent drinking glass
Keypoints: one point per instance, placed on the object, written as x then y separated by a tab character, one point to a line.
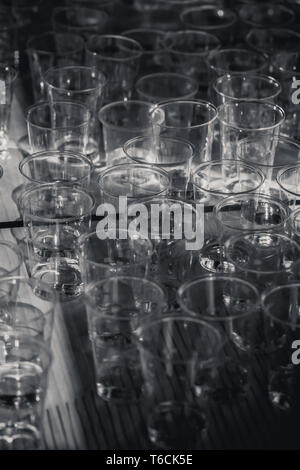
173	155
231	305
227	61
119	58
116	307
187	51
57	166
191	120
281	306
165	86
50	50
135	182
11	259
286	66
253	212
55	215
152	42
121	121
105	5
212	19
265	259
53	166
239	86
23	385
179	5
266	15
212	182
273	40
61	125
244	119
175	351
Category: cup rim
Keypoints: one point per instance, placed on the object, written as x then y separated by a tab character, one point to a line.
229	163
266	104
142	166
54	153
26	213
206	104
76	68
246	76
172	76
44	104
241	236
38	342
87	236
220	278
267	293
230	22
134	54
